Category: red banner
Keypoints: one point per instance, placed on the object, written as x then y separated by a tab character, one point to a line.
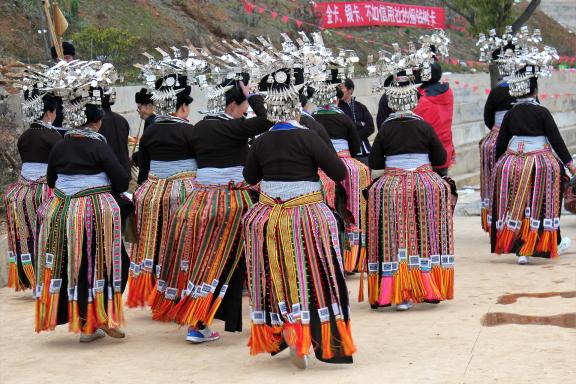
366	13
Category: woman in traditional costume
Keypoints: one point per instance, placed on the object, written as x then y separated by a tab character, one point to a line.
347	143
204	245
82	264
529	171
298	295
24	198
410	236
167	170
499	102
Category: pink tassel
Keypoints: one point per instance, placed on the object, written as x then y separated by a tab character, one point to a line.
386	290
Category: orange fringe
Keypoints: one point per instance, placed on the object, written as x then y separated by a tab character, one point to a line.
305	341
525	229
73	317
327	352
361	289
262	340
100	308
161	308
90	325
416	284
141	287
448	286
504	240
13	280
213	311
29	272
119	309
485	225
529	245
438	278
345	337
373	288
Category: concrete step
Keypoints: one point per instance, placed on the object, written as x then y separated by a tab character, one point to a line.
463	180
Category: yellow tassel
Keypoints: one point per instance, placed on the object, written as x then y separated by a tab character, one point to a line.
99	308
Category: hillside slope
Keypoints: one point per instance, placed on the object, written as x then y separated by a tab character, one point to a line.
170	22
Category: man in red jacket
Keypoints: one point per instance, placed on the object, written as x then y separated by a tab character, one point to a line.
435	106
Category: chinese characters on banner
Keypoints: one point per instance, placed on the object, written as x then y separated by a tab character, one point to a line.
366	13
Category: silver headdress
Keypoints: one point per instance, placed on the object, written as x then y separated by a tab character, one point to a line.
282	99
35	85
78	83
88	82
498	50
533	60
172	74
399	73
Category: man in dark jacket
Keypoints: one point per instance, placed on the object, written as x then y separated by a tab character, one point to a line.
360	116
115	129
145	109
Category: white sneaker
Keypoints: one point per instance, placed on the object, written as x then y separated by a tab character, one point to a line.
522	260
404	306
87	338
201	335
300	362
565	243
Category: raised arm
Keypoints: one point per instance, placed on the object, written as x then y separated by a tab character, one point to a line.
246	128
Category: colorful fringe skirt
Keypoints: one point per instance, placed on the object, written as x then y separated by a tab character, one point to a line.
23	200
410	238
527	203
156	201
204	266
487	162
357	179
298	295
81	269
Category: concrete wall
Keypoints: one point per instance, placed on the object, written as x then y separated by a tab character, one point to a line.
468	125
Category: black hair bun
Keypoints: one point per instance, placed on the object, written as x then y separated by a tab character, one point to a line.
93	113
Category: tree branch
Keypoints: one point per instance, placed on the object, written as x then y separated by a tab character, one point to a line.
469	17
523	18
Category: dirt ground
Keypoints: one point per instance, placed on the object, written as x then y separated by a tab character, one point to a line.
444	343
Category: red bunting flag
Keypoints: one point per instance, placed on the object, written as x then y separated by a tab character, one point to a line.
456	82
465	85
572	60
487	91
284	19
474	88
469	63
248	7
260	9
299	23
349	37
543	96
556	95
274	14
